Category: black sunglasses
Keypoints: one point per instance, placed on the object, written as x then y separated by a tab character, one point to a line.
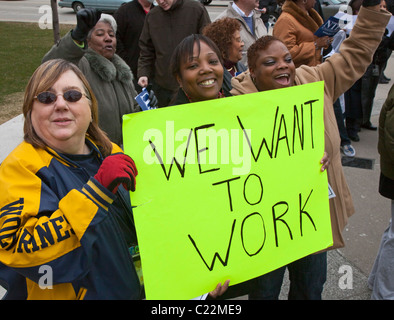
49	97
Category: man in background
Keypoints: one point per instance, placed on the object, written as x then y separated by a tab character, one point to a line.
252	27
165	27
130	18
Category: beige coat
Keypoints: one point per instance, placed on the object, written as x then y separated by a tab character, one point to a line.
246	34
296	29
339	72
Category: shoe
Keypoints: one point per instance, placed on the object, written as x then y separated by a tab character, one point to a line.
383	80
369	126
354	137
348	150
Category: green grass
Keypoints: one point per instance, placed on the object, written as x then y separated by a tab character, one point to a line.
23	46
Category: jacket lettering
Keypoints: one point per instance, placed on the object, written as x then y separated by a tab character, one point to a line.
48	233
11	224
12	208
45	234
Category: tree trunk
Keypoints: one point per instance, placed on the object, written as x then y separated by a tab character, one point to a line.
55	21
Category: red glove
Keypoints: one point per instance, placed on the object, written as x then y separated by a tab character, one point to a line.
115	170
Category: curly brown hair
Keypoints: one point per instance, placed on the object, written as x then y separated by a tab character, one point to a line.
221	32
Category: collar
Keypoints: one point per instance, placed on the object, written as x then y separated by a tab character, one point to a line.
176	4
67	161
142	8
311	21
109	70
241	13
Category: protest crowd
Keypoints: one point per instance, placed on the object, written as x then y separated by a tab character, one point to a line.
67	190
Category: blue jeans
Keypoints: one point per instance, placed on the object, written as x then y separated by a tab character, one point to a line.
307	278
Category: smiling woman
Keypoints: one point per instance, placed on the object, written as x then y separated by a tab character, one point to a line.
62	116
271	67
226	33
275	68
60	193
197	66
91	45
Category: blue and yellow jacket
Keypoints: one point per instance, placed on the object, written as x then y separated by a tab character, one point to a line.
60	227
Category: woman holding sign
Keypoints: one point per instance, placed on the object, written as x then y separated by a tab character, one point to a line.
197	66
271	67
66	222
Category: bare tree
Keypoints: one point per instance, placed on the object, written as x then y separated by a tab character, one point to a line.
55	21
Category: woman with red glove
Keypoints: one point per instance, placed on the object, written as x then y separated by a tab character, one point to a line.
66	222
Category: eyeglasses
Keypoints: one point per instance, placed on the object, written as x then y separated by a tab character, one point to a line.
49	97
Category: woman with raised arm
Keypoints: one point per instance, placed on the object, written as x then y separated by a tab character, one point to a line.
271	67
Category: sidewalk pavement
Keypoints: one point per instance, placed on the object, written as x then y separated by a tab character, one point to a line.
364	230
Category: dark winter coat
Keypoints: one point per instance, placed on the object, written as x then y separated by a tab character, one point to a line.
162	32
386	146
111	82
130	18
